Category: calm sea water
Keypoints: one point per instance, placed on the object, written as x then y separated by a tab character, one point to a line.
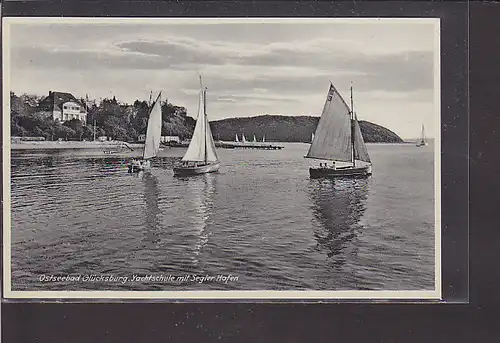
260	219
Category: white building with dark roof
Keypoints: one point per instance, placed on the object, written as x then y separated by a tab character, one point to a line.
63	107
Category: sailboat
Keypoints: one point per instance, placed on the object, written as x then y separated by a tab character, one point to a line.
243	139
254	139
237	140
338	138
422	141
200	157
153	137
264	139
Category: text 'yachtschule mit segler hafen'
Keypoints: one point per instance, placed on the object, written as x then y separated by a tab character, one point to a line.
177	279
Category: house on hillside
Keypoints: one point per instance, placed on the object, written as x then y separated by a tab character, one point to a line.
63	107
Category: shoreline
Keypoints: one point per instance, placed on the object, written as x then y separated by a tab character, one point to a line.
71	145
52	145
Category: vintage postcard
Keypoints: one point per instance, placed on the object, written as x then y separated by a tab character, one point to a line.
231	158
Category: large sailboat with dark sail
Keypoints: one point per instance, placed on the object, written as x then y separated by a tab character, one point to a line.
200	157
338	142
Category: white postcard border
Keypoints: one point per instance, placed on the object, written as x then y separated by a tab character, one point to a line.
435	294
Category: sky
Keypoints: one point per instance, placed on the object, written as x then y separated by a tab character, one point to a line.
250	67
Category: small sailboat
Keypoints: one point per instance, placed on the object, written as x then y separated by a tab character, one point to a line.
237	140
422	141
254	139
338	138
153	137
264	139
243	139
200	157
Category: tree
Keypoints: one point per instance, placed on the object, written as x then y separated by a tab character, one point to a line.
65	132
76	126
88	133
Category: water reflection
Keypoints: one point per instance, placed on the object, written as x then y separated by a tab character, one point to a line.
201	190
152	211
338	206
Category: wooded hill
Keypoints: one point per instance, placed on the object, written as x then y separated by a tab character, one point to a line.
280	128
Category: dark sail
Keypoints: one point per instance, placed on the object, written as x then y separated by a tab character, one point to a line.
332	139
360	150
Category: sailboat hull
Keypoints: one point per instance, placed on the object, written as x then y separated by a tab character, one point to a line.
138	165
192	170
350	172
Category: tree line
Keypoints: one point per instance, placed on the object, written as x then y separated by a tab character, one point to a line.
116	120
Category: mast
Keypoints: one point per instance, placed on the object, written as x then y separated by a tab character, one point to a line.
205	118
93	115
149	118
352	131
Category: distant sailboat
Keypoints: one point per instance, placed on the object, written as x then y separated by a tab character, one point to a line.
422	141
254	139
200	157
237	140
338	137
264	139
153	136
243	139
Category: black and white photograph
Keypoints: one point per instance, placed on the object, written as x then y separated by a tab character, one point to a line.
222	158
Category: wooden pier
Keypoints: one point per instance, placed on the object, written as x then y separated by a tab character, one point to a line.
233	145
259	146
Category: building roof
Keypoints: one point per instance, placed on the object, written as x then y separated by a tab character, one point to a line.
55	100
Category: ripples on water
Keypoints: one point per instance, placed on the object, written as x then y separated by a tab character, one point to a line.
260	218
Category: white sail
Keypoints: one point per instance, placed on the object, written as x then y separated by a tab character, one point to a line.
243	139
421	141
422	138
237	140
312	137
254	139
263	138
360	150
332	139
202	147
153	133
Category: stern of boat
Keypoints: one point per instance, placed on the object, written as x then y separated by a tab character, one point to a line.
181	170
356	172
136	166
